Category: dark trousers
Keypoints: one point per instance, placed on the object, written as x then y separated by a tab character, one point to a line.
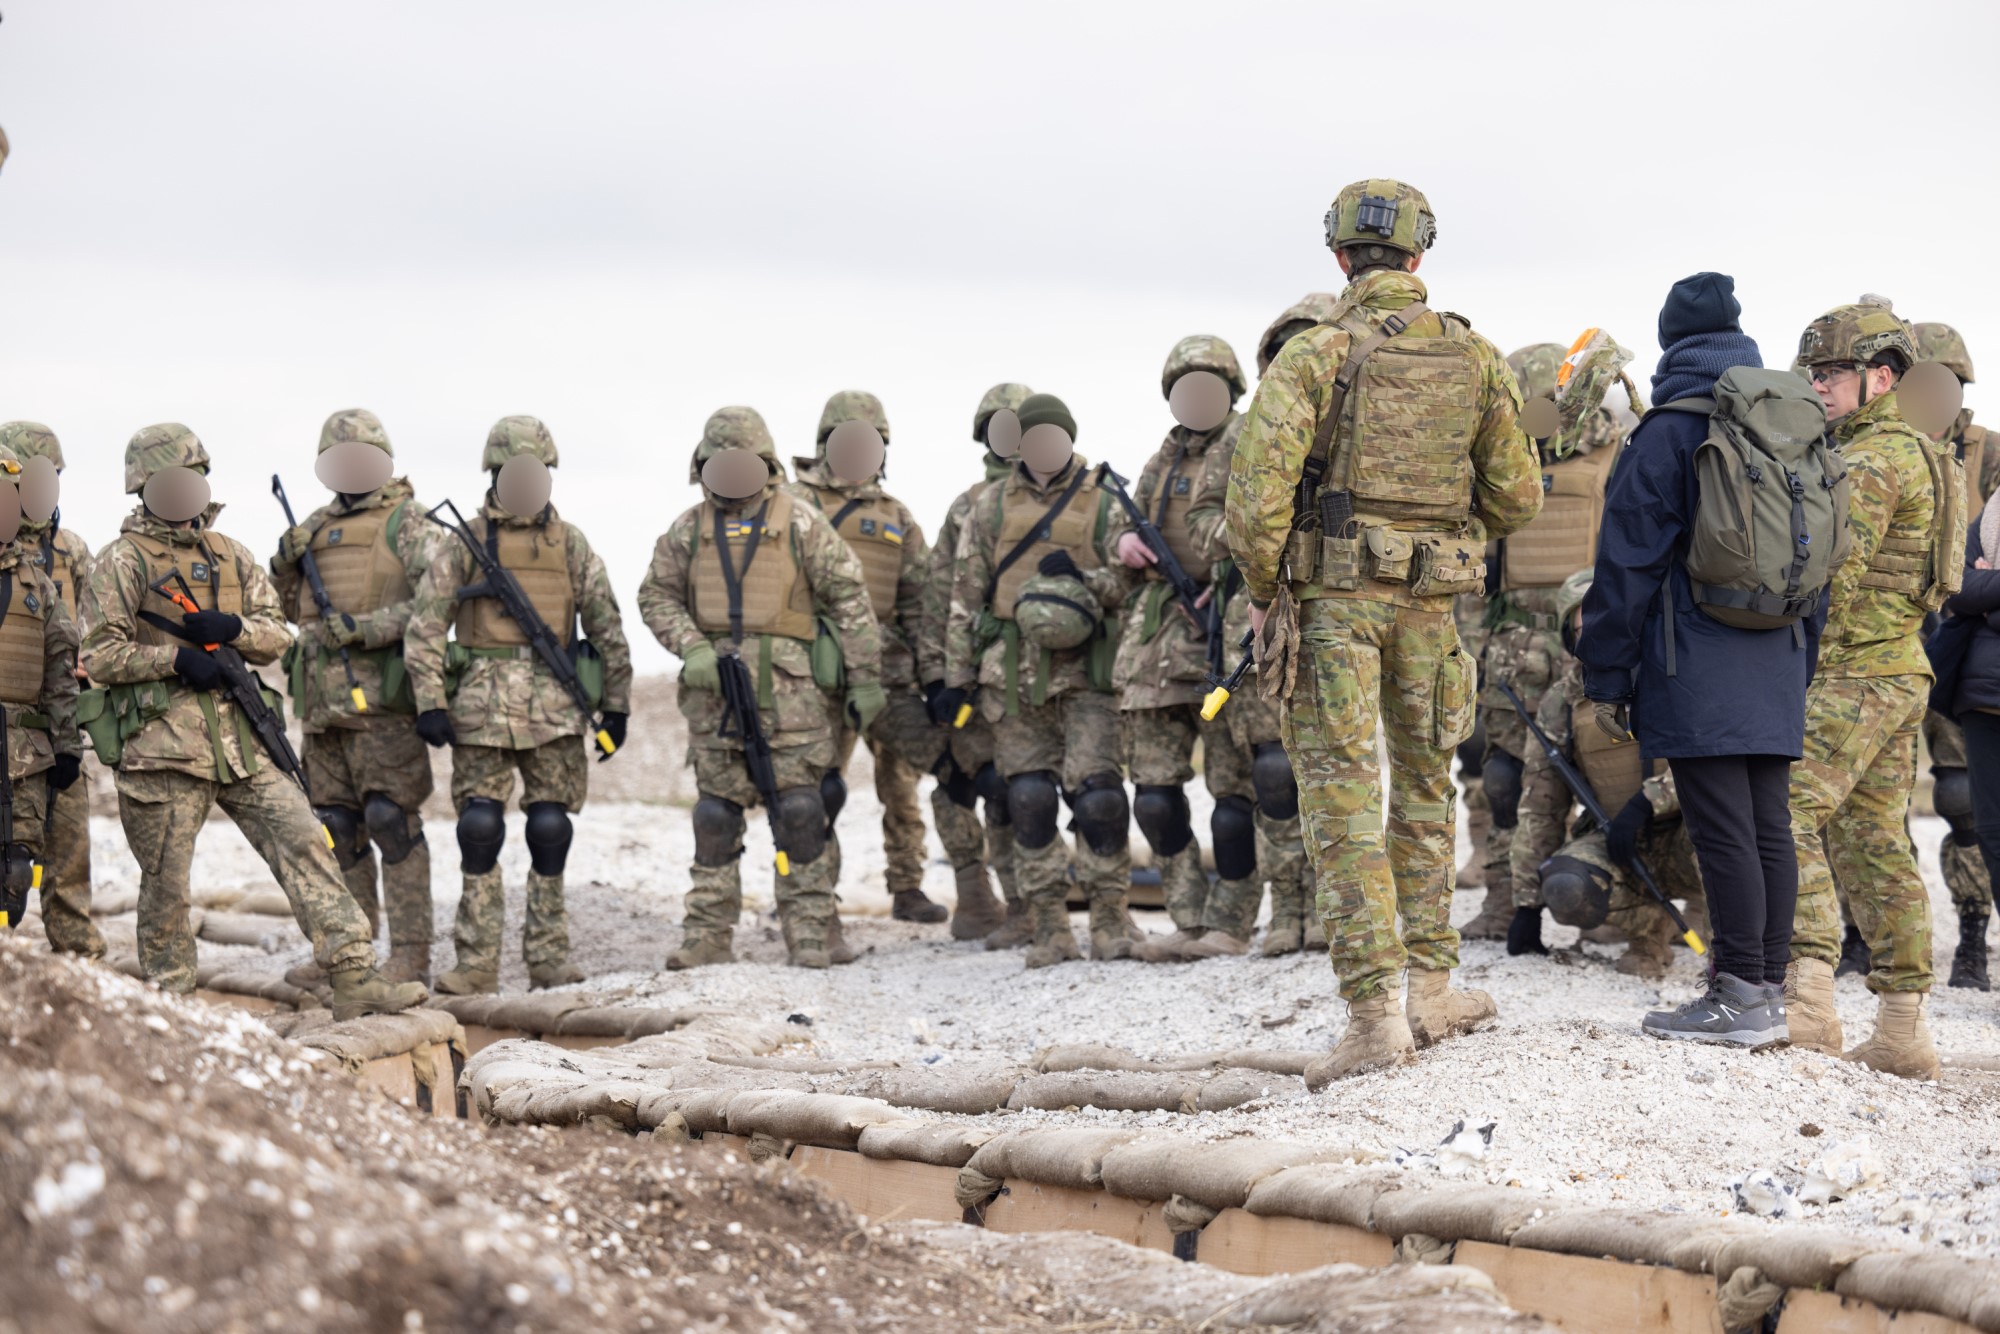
1982	767
1737	809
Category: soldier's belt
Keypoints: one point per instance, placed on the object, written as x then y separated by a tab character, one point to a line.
38	722
1533	620
515	652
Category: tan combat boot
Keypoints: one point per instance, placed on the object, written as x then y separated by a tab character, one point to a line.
408	963
978	911
913	905
1054	942
1650	952
543	976
359	991
1496	914
1110	927
1901	1043
308	976
464	981
838	951
1604	934
1377	1037
1283	937
1215	944
1437	1012
1015	930
1809	1014
700	951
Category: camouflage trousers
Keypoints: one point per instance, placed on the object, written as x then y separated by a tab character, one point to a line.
1396	658
1668	854
1160	745
384	755
1524	659
1850	801
805	898
163	812
1965	876
558	772
1075	735
971	750
65	859
906	745
1281	851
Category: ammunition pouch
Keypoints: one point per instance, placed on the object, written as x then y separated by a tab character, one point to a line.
111	715
829	660
589	665
395	693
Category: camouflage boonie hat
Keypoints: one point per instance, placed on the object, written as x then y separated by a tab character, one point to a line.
1935	342
1310	309
358	424
31	440
734	428
1535	368
1202	352
1860	333
1570	596
1010	396
852	405
1376	213
158	448
1056	611
517	435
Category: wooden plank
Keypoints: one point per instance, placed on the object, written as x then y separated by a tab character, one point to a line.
1576	1292
722	1142
254	1004
479	1037
1809	1312
394	1076
1024	1206
881	1188
1245	1243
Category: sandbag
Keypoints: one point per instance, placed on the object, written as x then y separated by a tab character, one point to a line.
1272	1062
705	1110
269	901
1184	1215
1744	1298
610	1021
1948	1285
939	1143
804	1065
1325	1193
550	1103
1687	1242
110	902
1088	1056
238	980
1112	1091
1233	1088
1071	1156
968	1092
537	1012
825	1119
1218	1175
1798	1255
1460	1213
356	1042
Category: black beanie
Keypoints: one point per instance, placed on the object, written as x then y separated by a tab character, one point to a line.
1041	409
1704	303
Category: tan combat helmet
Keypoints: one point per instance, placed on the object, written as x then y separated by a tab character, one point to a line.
852	405
1375	216
1862	333
735	428
32	440
516	435
1007	395
360	425
1935	342
1203	352
1312	309
158	448
1535	367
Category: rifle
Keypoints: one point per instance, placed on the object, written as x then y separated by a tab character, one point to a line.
739	703
21	871
1580	789
498	583
310	569
1207	619
1224	688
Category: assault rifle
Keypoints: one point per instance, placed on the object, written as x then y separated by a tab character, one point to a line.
1225	687
1580	788
310	569
1207	619
498	583
19	871
741	723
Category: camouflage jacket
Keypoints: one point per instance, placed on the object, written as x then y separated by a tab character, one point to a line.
1283	417
71	546
1873	631
1969	440
183	739
513	703
320	686
31	750
943	572
899	632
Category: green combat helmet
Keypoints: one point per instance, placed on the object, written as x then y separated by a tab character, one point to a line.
1312	309
359	424
517	435
32	440
1375	216
158	448
1054	611
1202	352
852	405
735	428
1863	334
1935	342
1535	368
1008	396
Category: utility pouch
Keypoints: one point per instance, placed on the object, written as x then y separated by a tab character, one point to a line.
1103	656
1388	555
293	664
829	662
457	659
1446	564
110	715
589	665
399	697
1302	555
1454	701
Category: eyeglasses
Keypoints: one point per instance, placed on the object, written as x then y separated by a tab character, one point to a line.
1832	371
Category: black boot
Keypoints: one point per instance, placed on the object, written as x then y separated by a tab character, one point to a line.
1853	954
1968	965
1524	933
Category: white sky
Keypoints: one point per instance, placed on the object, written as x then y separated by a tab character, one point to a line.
620	216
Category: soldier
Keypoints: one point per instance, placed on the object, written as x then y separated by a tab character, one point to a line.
743	573
1850	794
970	774
506	713
1410	419
370	771
886	538
63	556
1587	878
1028	634
180	747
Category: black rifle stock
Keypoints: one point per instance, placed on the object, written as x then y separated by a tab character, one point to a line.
310	569
740	722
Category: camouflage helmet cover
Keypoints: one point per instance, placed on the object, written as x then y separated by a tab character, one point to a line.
355	424
1056	611
1862	332
32	440
734	428
1008	395
1535	368
516	435
1570	596
158	448
1935	342
1203	352
1312	308
1381	212
852	405
3	147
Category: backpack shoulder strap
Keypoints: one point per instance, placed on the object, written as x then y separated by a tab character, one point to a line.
1343	382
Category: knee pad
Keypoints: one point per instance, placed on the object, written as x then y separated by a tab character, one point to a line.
1503	789
1103	815
1235	836
1032	798
389	826
549	832
718	831
343	825
832	796
800	821
1951	798
958	785
1162	812
482	828
1577	893
992	789
1271	775
1472	750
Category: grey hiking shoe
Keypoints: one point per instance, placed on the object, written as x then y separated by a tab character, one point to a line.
1732	1012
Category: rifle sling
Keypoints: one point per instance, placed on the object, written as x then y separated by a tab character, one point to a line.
1343	383
1033	535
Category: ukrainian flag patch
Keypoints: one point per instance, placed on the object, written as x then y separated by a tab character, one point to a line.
891	533
741	529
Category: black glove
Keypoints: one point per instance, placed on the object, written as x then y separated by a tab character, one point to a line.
945	704
213	627
1621	836
614	724
197	668
68	769
1524	933
434	726
1059	563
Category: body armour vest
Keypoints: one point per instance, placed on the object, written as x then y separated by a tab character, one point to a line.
22	645
1410	423
1023	512
1562	539
1972	444
771	589
873	531
538	558
1170	515
209	566
357	563
1612	768
1907	560
53	559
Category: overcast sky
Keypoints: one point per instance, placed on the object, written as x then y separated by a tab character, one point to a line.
620	216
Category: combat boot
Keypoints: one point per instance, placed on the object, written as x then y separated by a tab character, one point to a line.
1437	1012
913	905
543	976
1167	949
1496	914
1015	929
466	981
1215	944
1377	1037
408	963
1282	936
1648	956
308	976
978	911
838	951
1855	959
359	991
1810	1018
1605	933
1110	927
1901	1043
1968	964
699	951
1054	942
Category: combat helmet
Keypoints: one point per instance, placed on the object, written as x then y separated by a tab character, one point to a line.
516	435
1535	368
1311	309
1570	596
1935	342
32	440
1376	215
158	448
1862	333
1056	611
1009	396
734	428
359	424
1202	352
852	405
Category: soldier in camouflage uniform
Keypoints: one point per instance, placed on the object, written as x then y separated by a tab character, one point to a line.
1579	875
369	769
1029	634
1850	794
506	714
746	574
1382	451
63	556
180	748
970	775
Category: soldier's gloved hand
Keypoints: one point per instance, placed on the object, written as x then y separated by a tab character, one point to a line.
294	544
865	702
341	631
1621	836
197	669
943	702
68	769
434	726
698	669
614	723
1058	563
1614	718
212	627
